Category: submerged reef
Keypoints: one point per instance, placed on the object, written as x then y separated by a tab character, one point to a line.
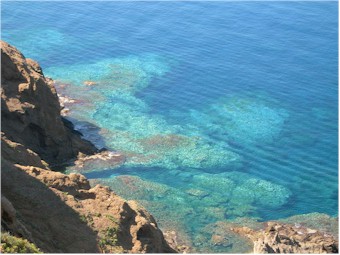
233	192
145	141
34	41
109	75
205	198
241	119
126	121
190	174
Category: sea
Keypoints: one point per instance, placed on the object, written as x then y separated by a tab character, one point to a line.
224	111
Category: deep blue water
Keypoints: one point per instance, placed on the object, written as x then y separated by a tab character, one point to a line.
237	101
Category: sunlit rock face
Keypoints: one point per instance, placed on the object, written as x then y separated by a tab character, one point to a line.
58	213
30	111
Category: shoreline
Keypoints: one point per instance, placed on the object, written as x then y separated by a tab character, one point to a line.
105	222
238	228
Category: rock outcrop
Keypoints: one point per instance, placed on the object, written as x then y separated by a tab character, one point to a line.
285	238
55	211
62	213
30	111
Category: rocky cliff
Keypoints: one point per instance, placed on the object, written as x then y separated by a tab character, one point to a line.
30	111
54	211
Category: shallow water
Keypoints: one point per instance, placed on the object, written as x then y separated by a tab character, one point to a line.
223	109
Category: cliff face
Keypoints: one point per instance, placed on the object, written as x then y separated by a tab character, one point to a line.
30	111
57	212
62	213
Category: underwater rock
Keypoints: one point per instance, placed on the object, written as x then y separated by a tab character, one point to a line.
197	193
163	142
241	194
65	100
143	144
145	139
219	240
250	121
242	120
148	138
214	182
216	213
261	192
133	187
221	236
128	74
239	209
253	222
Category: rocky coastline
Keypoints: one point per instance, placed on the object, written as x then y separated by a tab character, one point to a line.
54	211
47	207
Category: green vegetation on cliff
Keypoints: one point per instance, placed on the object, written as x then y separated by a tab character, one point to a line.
13	244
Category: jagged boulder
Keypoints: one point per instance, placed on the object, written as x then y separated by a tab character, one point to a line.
63	213
285	238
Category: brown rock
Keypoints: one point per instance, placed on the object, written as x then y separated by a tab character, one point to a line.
18	154
30	110
58	212
9	220
178	243
285	238
62	213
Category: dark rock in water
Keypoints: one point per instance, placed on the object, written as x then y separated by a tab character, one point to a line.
30	110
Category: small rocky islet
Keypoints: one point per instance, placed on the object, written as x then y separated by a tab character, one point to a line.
41	209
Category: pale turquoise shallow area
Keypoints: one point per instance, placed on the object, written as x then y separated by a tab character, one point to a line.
224	111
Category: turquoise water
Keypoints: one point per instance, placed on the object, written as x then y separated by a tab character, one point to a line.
224	110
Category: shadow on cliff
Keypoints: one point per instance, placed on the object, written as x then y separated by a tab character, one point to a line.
87	130
55	226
